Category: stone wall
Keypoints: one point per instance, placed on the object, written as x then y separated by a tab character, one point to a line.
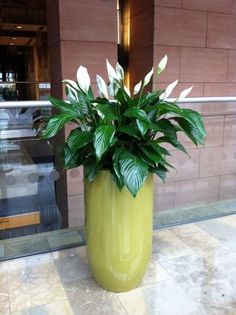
199	38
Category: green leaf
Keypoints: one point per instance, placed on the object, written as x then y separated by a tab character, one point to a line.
173	142
196	119
91	169
70	159
152	154
90	94
159	149
146	160
129	130
191	130
103	138
116	166
77	139
165	126
150	98
161	172
56	123
135	112
134	172
165	163
77	100
107	111
142	126
152	115
62	105
84	108
167	108
123	97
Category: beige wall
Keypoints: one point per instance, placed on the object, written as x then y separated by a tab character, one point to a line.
199	37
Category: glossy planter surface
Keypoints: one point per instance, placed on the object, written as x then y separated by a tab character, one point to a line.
118	232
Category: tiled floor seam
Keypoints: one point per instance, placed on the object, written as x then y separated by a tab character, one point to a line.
230	250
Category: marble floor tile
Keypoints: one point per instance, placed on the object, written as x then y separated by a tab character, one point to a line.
155	272
222	231
87	298
203	283
3	279
4	304
29	261
57	308
167	245
33	282
72	264
192	272
163	298
225	264
231	220
200	241
22	312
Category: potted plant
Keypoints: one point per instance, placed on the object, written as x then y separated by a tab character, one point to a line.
118	138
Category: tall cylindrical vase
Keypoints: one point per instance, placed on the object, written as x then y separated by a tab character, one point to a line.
118	232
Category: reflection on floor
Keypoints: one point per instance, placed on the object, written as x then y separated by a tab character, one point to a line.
40	243
192	271
192	213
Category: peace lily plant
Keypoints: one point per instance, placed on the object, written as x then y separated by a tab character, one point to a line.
122	131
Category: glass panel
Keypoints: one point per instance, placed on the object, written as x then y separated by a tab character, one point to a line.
18	91
33	217
203	186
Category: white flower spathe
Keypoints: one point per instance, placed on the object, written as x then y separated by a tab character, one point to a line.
72	93
72	83
137	87
83	79
168	90
127	90
120	71
113	88
162	64
184	93
102	87
148	78
111	72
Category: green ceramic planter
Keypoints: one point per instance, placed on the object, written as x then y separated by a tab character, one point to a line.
118	232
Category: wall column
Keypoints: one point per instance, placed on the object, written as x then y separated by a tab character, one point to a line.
79	33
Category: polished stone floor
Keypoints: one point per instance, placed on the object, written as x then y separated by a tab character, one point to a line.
192	272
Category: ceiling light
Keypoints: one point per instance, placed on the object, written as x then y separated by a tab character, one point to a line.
12	44
19	27
13	38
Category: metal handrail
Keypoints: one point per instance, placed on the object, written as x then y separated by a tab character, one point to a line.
205	99
24	104
28	104
23	82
